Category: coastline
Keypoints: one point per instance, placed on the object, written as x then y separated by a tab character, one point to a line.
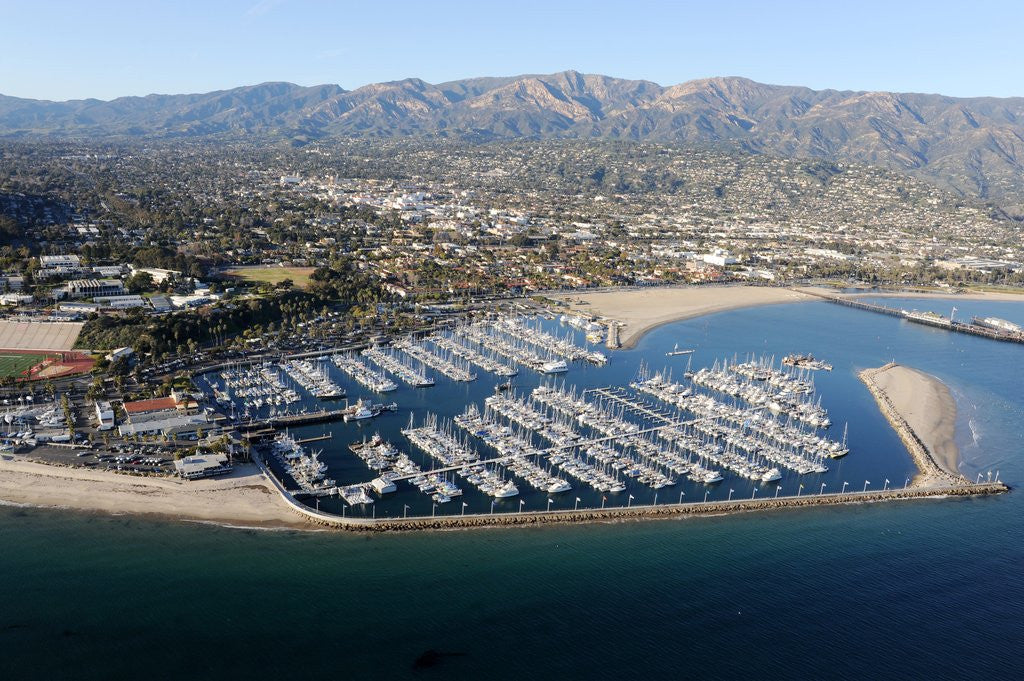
922	411
241	498
244	498
641	310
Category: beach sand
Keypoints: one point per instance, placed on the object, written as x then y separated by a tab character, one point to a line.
641	310
243	498
928	408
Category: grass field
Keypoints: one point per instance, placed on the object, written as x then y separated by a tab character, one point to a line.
15	364
273	275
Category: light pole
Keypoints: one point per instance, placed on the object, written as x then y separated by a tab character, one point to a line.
433	510
405	510
576	505
655	499
550	501
681	495
886	485
521	504
706	493
866	483
822	490
978	481
603	499
778	488
730	494
752	494
906	483
844	487
629	501
493	501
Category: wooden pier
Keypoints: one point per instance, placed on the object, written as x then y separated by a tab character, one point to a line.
953	325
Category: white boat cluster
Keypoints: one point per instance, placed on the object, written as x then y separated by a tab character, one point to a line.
744	440
759	384
632	452
305	468
383	456
364	375
595	332
257	385
588	466
518	452
486	362
440	444
389	362
313	376
455	369
561	347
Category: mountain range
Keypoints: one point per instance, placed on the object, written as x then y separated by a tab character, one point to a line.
973	145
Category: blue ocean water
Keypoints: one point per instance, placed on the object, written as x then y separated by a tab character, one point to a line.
928	588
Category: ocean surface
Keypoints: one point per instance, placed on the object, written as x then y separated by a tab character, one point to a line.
927	588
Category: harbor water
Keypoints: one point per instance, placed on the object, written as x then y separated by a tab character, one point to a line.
920	588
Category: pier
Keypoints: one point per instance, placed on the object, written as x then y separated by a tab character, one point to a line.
950	325
292	420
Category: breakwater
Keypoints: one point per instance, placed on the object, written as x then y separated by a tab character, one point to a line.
527	518
696	509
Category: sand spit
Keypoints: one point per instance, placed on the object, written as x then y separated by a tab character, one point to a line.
923	413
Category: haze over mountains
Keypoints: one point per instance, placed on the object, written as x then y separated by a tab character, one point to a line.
973	145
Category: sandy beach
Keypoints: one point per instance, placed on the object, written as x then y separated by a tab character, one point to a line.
926	406
243	498
641	310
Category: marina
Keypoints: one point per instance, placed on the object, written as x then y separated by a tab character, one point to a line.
612	435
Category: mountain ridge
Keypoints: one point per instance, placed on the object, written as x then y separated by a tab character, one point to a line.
974	145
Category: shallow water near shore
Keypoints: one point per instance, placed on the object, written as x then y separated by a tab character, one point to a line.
892	590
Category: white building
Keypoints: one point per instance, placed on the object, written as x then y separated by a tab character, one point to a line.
104	415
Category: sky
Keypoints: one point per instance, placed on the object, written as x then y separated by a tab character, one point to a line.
104	49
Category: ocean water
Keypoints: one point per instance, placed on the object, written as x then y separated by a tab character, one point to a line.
927	588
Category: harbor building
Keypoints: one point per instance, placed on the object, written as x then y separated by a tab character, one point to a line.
204	466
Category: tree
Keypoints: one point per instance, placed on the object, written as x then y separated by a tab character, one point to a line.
140	282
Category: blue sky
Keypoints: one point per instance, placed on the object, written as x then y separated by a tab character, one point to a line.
63	50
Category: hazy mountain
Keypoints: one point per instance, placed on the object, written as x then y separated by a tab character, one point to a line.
975	145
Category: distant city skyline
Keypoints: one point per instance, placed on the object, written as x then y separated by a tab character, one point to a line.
66	50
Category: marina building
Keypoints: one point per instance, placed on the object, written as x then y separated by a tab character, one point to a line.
204	466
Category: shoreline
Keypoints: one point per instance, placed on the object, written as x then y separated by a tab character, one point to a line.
244	498
921	410
640	311
239	500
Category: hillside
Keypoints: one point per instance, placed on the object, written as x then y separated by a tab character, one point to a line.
973	145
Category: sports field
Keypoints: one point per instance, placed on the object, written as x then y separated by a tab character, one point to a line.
17	364
273	275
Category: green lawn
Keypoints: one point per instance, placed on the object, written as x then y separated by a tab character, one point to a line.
15	364
273	275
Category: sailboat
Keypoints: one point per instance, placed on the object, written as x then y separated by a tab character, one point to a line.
676	351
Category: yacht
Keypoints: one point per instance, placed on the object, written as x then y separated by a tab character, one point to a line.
555	367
